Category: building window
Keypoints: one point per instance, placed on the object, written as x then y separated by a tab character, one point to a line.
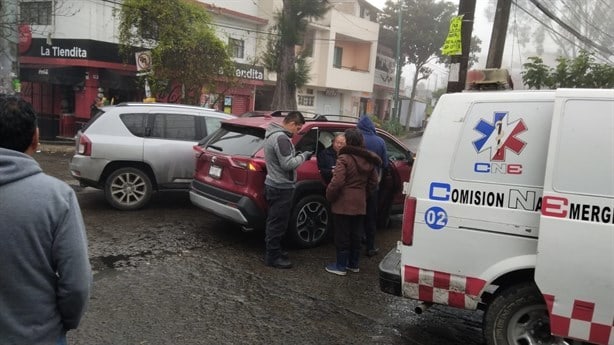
236	47
338	57
308	43
306	101
36	12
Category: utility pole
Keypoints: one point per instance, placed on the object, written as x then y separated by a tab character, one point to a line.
8	45
499	30
397	102
459	63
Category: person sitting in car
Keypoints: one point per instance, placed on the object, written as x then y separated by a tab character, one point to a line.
328	157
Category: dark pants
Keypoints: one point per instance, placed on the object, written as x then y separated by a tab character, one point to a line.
371	220
348	234
280	203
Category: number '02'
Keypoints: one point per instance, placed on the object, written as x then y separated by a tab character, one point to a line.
436	217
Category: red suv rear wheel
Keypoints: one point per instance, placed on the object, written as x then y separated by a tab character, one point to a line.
310	221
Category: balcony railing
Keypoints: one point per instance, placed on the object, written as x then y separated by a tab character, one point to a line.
351	68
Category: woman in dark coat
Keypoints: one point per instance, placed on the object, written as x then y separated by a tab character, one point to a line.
354	175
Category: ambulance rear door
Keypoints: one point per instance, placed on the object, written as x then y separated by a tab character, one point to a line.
575	259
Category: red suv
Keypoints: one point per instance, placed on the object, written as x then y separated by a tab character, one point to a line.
230	172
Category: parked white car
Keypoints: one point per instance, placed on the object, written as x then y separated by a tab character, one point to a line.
133	149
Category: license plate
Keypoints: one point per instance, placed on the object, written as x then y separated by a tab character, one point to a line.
215	171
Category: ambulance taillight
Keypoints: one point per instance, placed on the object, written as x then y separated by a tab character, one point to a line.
409	215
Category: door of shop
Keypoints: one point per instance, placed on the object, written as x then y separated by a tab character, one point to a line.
240	104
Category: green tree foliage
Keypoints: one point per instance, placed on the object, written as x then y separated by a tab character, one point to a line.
579	72
271	57
425	25
183	44
292	71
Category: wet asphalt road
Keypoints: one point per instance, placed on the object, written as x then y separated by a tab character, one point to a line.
173	274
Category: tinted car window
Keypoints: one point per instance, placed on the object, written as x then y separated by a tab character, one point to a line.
213	123
236	140
135	123
174	126
307	142
395	152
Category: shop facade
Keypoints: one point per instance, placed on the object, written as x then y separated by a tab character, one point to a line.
63	77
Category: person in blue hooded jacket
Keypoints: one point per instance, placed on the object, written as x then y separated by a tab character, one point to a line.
46	277
376	144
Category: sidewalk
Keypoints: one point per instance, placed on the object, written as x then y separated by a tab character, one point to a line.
411	134
63	145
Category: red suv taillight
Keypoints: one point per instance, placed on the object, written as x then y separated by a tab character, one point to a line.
85	146
409	216
249	164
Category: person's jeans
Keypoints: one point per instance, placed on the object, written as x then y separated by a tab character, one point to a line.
348	232
62	340
371	220
280	203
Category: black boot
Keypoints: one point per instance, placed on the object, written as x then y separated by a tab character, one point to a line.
279	262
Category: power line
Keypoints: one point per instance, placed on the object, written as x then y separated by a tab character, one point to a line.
517	39
586	19
573	31
553	30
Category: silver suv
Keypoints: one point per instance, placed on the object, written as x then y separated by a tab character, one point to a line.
132	149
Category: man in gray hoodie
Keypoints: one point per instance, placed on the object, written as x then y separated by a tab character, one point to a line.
45	275
281	163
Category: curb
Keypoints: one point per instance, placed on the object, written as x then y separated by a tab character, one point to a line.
58	141
411	135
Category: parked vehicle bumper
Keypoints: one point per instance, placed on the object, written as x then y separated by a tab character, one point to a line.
87	170
390	273
237	208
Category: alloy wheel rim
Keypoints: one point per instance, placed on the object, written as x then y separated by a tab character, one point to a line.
128	189
312	222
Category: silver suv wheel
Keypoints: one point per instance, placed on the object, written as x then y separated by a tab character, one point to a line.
128	189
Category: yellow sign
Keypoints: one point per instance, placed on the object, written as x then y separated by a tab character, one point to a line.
453	45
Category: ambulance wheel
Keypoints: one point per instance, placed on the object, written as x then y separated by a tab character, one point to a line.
518	316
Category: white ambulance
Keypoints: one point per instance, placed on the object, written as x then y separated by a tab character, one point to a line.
510	209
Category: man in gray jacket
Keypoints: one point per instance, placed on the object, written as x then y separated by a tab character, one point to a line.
281	163
45	274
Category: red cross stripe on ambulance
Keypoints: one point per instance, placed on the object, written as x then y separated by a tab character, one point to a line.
580	320
442	288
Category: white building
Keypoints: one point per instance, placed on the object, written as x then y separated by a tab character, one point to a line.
350	73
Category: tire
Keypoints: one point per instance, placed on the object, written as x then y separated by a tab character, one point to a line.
310	222
519	316
384	221
128	189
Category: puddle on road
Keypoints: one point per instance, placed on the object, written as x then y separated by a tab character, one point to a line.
119	261
101	263
110	260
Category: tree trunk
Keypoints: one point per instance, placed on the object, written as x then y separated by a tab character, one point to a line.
285	91
284	97
411	97
8	46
